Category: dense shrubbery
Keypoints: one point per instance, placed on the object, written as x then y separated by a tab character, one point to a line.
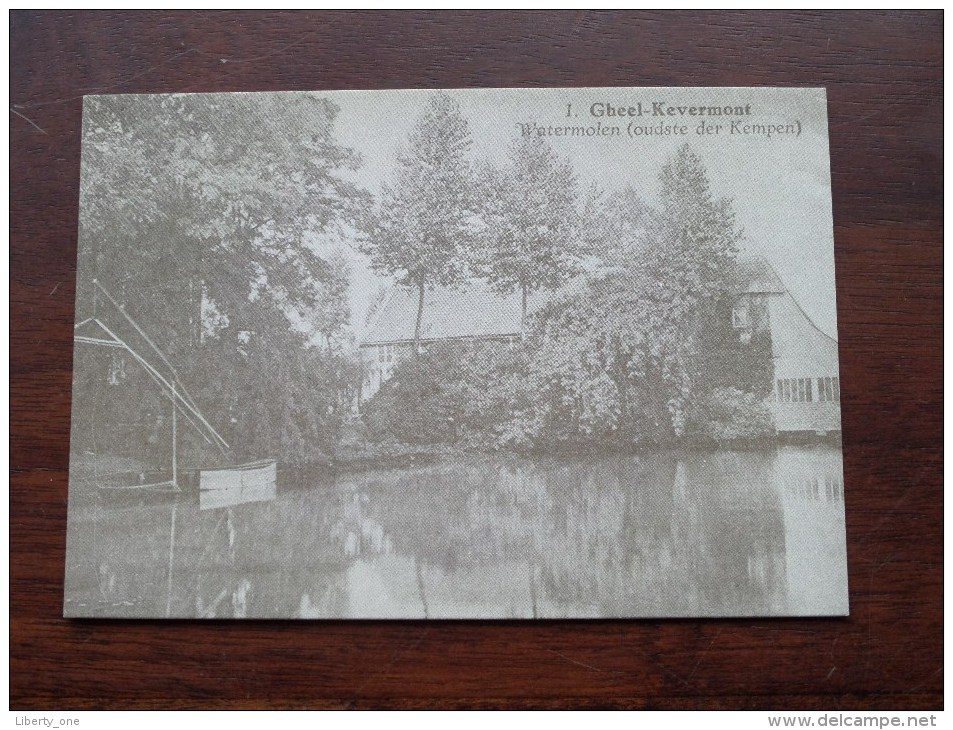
224	276
291	403
638	350
419	403
453	393
729	414
567	390
287	405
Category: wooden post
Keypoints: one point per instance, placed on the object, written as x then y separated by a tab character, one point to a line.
524	287
420	315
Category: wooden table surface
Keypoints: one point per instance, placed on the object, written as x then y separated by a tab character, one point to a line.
884	77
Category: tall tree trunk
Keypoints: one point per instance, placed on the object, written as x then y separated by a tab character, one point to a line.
196	298
620	377
420	316
523	316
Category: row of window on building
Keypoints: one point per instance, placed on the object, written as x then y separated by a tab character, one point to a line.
819	489
388	353
385	353
802	390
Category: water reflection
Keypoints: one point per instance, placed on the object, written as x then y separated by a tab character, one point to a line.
697	533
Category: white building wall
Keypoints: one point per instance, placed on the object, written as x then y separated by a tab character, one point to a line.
804	357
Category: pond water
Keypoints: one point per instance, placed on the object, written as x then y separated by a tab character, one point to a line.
722	533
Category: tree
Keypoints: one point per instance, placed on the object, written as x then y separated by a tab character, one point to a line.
196	212
186	195
623	356
613	225
423	225
332	311
690	247
531	221
692	238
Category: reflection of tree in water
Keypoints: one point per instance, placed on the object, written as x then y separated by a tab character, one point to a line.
738	532
667	536
246	560
660	534
119	560
652	536
462	515
613	527
292	550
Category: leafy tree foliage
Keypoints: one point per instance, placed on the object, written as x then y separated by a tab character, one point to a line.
637	350
332	311
195	212
421	403
453	392
423	225
531	221
692	240
628	345
730	414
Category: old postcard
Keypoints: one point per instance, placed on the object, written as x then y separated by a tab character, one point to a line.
496	353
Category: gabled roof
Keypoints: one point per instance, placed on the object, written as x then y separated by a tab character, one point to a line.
755	275
475	311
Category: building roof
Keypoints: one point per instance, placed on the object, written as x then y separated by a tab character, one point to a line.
448	313
477	311
755	275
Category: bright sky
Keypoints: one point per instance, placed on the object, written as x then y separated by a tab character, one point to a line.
780	186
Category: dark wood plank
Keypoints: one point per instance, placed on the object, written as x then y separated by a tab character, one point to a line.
884	77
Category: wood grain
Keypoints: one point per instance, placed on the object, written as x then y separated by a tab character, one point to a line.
884	76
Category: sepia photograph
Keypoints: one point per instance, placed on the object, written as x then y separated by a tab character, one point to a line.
456	354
